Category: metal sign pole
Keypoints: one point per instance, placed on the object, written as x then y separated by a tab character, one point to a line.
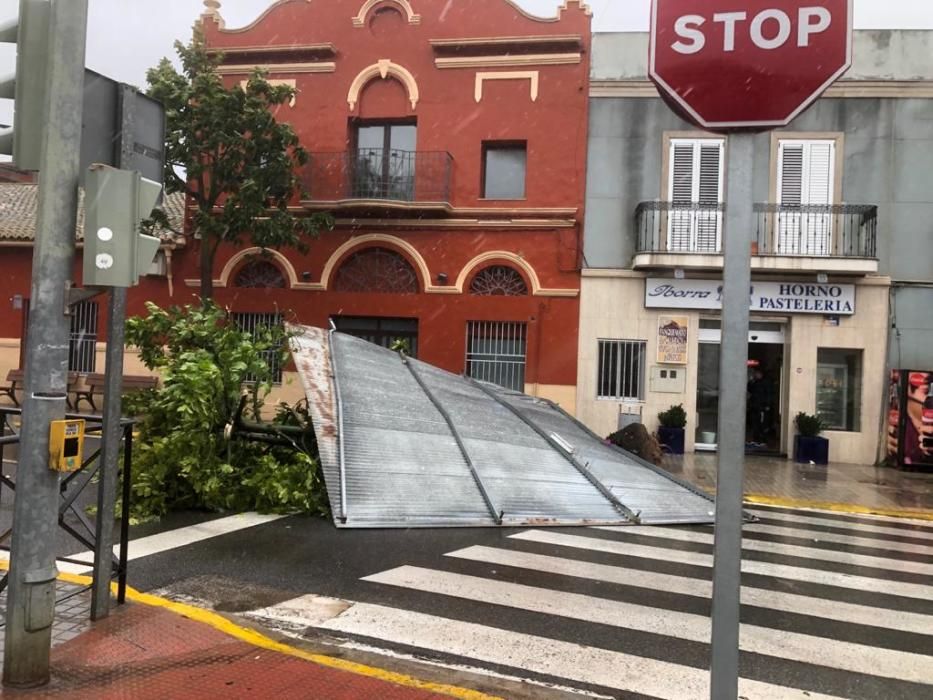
111	430
733	380
31	598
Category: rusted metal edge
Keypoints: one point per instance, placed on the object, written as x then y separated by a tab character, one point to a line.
341	453
580	467
497	514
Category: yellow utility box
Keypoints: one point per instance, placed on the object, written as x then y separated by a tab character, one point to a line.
66	445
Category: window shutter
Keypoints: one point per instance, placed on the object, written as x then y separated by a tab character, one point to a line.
682	195
806	180
820	171
790	194
709	196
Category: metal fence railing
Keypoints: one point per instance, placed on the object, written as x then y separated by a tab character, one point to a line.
821	230
679	227
496	353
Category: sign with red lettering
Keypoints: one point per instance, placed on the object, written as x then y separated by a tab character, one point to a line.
733	64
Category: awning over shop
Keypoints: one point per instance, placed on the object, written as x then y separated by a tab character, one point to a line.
405	444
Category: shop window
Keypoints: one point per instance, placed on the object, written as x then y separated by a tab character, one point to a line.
499	280
377	271
82	343
496	353
622	370
255	324
386	332
839	388
504	168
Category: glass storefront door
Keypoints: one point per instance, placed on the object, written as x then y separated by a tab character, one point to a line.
707	396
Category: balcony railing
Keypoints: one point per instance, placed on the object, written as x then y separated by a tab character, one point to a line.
829	231
378	174
817	230
679	227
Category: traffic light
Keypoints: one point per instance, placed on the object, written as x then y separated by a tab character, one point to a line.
116	254
29	84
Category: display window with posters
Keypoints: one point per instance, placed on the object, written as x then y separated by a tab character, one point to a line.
910	419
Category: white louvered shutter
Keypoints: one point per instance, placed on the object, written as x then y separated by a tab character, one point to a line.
805	179
695	224
680	224
709	195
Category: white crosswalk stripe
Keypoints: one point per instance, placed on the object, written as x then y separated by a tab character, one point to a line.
810	518
600	610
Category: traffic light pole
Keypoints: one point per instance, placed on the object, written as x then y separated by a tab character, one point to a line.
113	388
31	595
733	380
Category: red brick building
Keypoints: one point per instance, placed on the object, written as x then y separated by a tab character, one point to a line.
449	142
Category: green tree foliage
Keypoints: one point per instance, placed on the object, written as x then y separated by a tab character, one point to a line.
227	152
182	457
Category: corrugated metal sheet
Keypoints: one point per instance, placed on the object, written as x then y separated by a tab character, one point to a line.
423	447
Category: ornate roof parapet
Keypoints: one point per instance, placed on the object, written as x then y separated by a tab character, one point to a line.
212	12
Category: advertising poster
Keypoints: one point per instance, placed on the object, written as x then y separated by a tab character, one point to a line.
672	340
910	408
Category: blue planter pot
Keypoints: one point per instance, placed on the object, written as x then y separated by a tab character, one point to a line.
672	439
811	449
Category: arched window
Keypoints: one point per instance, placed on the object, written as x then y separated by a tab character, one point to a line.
260	274
498	281
377	270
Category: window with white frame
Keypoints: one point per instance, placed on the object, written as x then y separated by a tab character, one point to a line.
496	353
621	370
806	181
695	190
255	324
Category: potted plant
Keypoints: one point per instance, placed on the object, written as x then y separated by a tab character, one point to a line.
671	432
809	447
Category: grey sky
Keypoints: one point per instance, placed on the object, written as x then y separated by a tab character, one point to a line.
126	37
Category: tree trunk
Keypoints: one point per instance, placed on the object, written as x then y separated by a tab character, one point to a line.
207	270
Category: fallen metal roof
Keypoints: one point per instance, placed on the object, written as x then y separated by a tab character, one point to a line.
405	444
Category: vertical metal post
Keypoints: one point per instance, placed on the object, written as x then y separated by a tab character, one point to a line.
733	380
112	431
31	599
125	514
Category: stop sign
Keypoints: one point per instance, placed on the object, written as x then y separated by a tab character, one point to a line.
747	64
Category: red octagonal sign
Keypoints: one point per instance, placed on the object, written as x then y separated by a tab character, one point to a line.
748	64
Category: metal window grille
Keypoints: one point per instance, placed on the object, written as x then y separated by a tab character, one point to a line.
385	332
622	370
82	344
496	353
254	323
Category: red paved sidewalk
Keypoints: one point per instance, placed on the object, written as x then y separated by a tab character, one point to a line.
143	652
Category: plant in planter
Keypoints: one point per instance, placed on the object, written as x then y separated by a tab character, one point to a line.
671	432
809	447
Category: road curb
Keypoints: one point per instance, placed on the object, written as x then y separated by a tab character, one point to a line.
852	509
250	636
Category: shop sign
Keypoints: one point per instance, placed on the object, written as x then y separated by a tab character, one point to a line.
781	297
672	340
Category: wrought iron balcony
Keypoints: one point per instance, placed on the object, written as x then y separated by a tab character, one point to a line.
378	175
782	230
679	227
817	230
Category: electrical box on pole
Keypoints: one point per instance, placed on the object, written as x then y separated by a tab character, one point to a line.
29	85
116	254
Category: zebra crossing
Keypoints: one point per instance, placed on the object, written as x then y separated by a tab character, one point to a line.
833	606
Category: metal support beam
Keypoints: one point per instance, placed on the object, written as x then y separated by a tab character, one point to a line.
31	599
580	467
341	454
733	381
496	512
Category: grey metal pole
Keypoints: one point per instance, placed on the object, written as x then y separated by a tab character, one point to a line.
31	599
111	431
733	379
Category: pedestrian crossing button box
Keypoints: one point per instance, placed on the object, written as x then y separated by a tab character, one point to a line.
66	445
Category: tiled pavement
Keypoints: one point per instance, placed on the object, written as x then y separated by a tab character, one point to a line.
72	614
880	488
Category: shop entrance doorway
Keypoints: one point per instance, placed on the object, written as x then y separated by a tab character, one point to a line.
766	383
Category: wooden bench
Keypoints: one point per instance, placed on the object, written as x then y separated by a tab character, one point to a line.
14	379
94	386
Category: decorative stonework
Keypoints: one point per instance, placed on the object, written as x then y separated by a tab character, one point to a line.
212	12
403	5
499	281
376	271
532	76
383	69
